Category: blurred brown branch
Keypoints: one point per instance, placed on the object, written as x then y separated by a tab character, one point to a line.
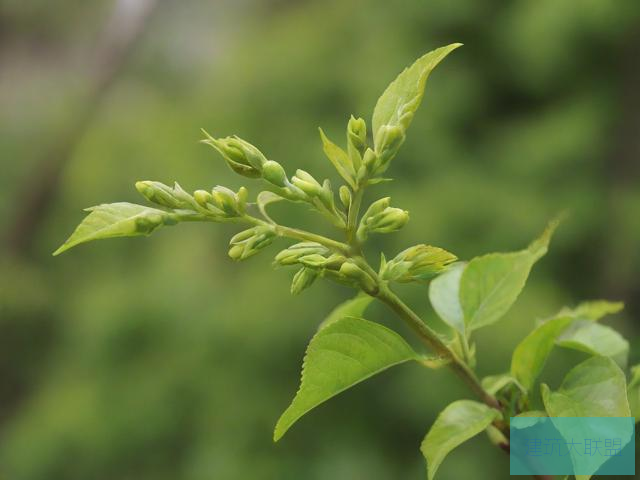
121	33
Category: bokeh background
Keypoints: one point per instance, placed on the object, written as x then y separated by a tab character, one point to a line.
160	358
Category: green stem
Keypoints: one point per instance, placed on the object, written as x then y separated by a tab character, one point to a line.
312	237
431	339
352	218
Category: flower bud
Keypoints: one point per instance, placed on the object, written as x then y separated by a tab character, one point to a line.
226	200
369	162
388	141
357	134
203	198
305	182
303	279
345	196
354	273
273	173
241	156
162	194
420	262
381	218
251	241
292	255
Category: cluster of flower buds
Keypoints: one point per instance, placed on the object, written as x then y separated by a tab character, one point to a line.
222	202
249	242
241	156
420	262
388	140
164	195
381	218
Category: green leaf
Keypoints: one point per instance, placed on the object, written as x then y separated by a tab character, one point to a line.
353	307
457	423
593	310
531	354
593	388
265	198
444	294
494	383
595	339
339	158
117	220
342	354
403	96
491	284
633	392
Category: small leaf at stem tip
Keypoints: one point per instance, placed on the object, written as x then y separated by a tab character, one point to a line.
339	158
339	356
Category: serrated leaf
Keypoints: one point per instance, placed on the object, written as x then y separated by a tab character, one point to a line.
399	102
117	220
491	284
339	356
353	307
595	339
594	388
444	294
633	392
531	354
339	158
457	423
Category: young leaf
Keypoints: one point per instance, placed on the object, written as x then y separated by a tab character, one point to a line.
117	220
339	158
633	392
457	423
491	284
530	355
595	339
444	294
342	354
353	307
593	310
403	96
594	388
265	198
494	383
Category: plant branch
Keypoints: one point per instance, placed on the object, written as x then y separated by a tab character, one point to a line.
352	218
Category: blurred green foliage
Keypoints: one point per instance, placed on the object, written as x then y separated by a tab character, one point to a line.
161	358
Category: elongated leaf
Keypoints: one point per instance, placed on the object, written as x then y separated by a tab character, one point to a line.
339	158
594	388
633	392
494	383
531	354
457	423
444	294
353	307
593	309
491	284
342	354
264	199
117	220
403	96
596	339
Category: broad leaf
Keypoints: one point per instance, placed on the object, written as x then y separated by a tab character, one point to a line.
491	284
633	392
587	336
444	294
342	354
594	388
457	423
339	158
403	96
353	307
531	354
117	220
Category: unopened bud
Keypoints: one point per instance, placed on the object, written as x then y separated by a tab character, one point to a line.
420	262
294	253
203	198
241	156
303	279
162	194
226	200
305	182
345	196
249	242
357	133
273	173
354	273
381	218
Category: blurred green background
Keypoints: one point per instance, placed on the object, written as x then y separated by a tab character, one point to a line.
160	358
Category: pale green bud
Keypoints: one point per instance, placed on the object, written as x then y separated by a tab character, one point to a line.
226	200
357	133
303	279
388	141
251	241
314	261
354	273
292	255
273	173
345	196
420	262
305	182
381	218
203	198
162	194
241	156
